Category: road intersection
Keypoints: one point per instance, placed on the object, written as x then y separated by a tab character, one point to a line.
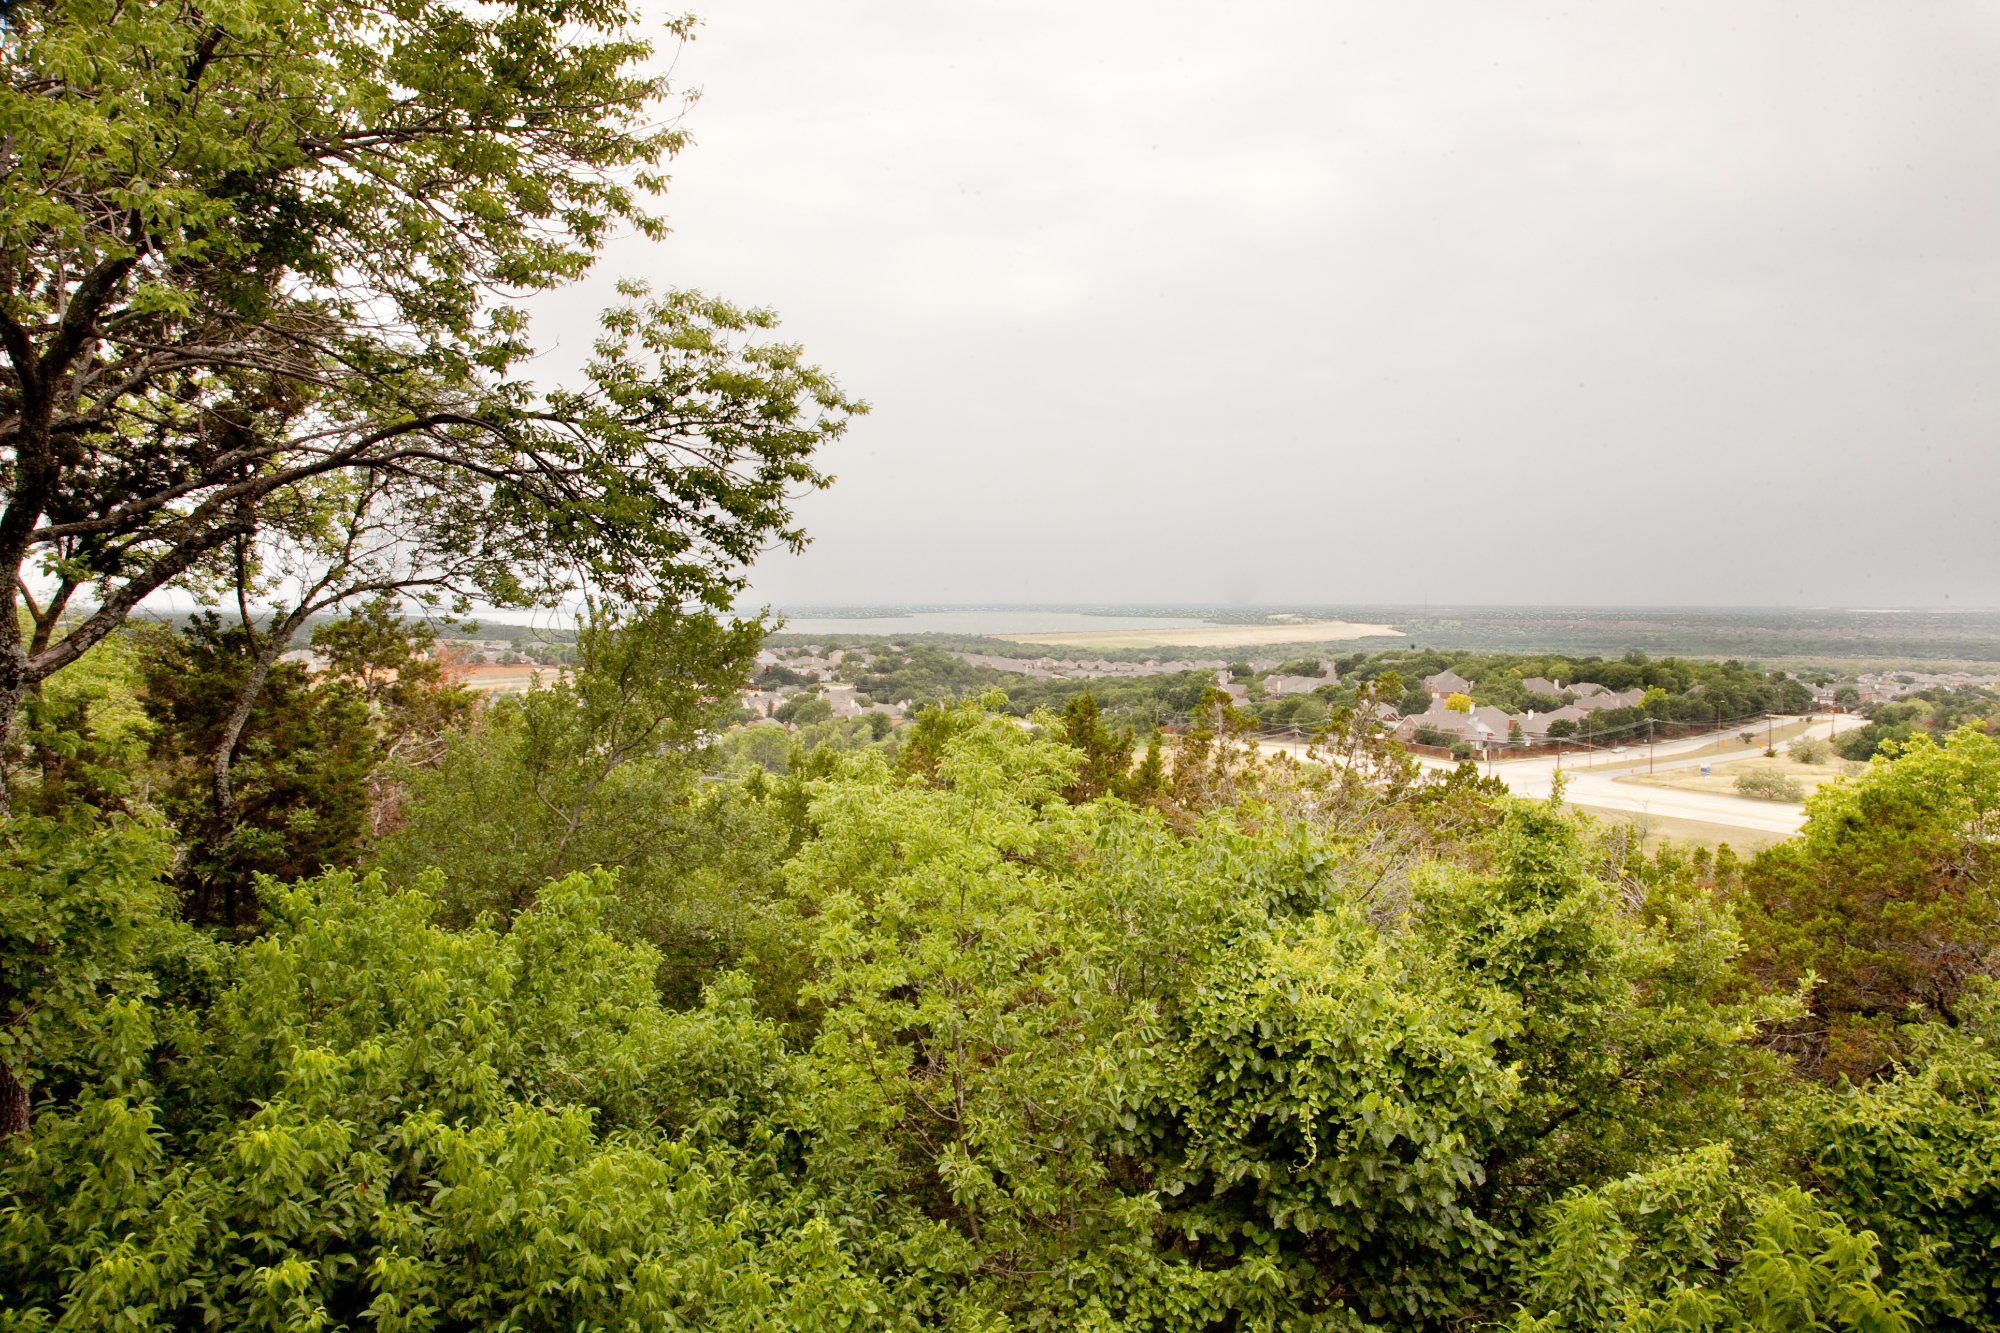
1594	783
1591	779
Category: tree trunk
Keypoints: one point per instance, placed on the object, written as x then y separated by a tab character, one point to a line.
224	756
13	691
13	1105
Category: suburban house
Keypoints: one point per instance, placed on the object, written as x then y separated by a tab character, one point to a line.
1600	698
1277	687
841	697
762	702
1483	727
1446	683
1535	726
1584	694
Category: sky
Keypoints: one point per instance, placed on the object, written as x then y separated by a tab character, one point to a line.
1618	303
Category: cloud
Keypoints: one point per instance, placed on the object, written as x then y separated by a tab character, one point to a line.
1690	303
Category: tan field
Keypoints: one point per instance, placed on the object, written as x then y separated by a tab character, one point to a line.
1656	829
1211	636
492	678
1723	778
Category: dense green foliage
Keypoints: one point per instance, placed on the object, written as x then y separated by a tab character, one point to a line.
486	1130
1916	1160
951	1038
300	768
1932	712
1890	899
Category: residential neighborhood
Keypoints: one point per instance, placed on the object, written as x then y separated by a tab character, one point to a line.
786	676
1483	727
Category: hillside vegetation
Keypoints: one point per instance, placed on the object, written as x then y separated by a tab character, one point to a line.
991	1027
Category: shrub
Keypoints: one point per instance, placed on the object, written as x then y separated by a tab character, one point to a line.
1621	1256
1910	1159
1810	750
1770	787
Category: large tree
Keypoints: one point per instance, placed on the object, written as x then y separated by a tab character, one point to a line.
251	250
1889	900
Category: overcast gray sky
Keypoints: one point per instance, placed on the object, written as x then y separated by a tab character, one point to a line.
1475	302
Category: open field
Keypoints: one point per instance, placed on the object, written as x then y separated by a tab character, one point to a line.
1723	779
493	679
1656	829
1303	633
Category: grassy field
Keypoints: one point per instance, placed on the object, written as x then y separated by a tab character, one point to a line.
494	679
1723	779
1656	829
1297	633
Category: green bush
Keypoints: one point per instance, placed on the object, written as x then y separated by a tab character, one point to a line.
384	1123
1912	1158
1770	787
1691	1245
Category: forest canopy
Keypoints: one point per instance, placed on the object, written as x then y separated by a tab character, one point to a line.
914	1041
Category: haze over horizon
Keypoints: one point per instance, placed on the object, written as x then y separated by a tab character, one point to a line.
1342	305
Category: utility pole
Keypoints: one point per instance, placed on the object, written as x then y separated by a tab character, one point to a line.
1649	745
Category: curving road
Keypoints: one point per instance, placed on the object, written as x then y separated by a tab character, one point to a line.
1591	782
1595	785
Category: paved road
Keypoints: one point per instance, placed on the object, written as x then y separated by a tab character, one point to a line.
1592	782
1596	784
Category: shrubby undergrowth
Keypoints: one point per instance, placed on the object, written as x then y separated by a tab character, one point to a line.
990	1058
